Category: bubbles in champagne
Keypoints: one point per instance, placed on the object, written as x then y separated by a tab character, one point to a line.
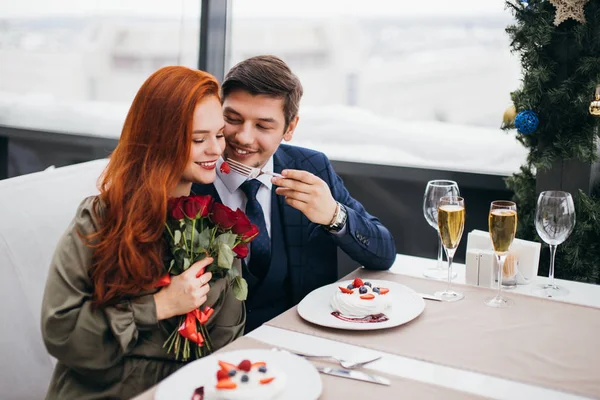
503	226
451	222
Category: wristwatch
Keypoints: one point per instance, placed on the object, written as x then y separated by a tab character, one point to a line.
339	219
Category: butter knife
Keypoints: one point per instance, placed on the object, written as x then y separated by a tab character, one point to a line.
352	374
429	297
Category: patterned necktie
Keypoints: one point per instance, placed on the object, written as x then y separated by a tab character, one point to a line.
260	247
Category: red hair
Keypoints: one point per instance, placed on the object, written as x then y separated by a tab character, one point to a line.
146	165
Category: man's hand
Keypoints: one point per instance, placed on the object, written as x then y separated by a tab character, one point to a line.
307	193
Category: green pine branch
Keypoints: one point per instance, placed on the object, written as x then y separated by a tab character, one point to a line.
561	68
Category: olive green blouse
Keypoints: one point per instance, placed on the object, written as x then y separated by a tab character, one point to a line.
113	352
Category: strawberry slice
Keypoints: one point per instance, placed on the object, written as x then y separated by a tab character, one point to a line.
357	282
225	168
258	364
383	290
266	380
346	290
222	374
226	384
245	365
368	296
226	366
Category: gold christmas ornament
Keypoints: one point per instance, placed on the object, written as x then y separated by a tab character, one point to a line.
595	104
566	9
508	119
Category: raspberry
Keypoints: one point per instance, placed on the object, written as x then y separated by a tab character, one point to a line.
245	365
225	168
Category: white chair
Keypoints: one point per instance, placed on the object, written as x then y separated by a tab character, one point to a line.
35	210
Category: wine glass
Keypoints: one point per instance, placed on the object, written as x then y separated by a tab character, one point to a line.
434	191
554	222
502	222
451	223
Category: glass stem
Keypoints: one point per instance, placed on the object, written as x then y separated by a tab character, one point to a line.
440	263
552	255
501	259
450	257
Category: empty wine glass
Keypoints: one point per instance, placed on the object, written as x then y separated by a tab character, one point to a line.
554	222
435	190
451	223
502	222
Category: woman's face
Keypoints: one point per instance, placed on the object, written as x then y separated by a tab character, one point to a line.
208	142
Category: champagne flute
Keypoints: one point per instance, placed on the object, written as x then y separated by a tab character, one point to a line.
502	222
451	223
554	222
434	191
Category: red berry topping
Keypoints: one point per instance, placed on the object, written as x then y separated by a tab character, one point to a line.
344	290
222	374
367	296
245	365
266	380
383	290
225	168
357	282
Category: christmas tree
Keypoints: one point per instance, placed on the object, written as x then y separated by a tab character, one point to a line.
558	42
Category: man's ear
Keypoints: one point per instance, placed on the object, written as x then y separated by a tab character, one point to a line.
287	136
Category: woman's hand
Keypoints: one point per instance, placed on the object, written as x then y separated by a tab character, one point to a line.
185	293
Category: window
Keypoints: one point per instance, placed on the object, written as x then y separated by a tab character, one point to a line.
75	66
411	83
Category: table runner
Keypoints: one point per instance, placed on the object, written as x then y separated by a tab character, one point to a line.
537	341
335	388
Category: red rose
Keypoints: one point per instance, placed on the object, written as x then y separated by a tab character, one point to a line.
223	216
250	234
197	206
242	224
241	250
175	207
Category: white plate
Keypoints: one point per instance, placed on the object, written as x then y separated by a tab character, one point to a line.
406	306
303	380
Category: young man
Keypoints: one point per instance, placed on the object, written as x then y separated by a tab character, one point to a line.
304	216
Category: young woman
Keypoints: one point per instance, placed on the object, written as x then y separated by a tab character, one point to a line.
102	317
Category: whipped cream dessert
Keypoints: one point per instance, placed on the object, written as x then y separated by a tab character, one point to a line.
360	299
247	381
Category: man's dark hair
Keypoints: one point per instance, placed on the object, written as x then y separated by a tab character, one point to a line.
266	75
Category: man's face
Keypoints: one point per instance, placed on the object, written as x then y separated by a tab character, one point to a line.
254	127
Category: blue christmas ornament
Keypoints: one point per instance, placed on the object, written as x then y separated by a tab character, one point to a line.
527	122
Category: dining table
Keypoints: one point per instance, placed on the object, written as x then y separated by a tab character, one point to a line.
540	348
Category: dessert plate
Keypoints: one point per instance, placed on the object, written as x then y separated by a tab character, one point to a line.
406	306
302	378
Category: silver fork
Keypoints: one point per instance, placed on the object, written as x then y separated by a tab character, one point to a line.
250	172
343	363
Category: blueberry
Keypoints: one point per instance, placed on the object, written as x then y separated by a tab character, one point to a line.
367	284
245	378
262	369
232	372
376	290
350	286
362	290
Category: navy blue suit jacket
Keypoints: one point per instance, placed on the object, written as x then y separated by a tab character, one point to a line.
311	250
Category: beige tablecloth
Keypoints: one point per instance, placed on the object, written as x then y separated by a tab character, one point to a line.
537	341
335	388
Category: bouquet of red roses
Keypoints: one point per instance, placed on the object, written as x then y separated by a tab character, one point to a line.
196	228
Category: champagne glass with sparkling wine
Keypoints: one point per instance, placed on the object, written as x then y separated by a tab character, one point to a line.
502	222
451	223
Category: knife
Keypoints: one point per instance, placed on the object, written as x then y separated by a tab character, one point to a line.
351	374
429	296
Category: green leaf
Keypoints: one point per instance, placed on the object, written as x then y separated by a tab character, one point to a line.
186	263
226	238
240	288
177	236
202	240
225	257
